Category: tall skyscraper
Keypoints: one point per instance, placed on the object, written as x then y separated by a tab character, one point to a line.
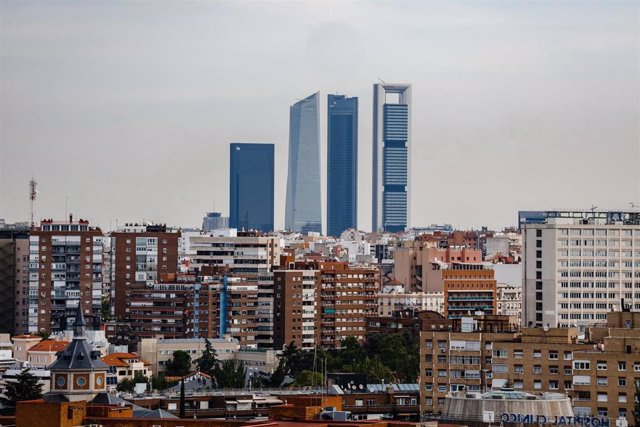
303	211
251	187
342	164
391	145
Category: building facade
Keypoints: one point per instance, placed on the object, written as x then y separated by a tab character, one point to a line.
578	266
14	279
251	186
65	269
391	156
214	221
139	255
469	289
303	205
342	164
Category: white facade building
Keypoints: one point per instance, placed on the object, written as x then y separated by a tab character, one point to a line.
578	266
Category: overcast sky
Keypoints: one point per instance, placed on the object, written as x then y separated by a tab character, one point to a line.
127	109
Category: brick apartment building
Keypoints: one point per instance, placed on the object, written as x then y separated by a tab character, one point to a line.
468	289
598	370
139	255
65	269
323	302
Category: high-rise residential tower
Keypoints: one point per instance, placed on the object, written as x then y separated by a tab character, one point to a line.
303	211
342	164
251	187
391	146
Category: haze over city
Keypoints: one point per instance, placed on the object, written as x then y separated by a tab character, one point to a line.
125	111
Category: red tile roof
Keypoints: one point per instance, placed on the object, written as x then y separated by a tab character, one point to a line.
120	359
50	345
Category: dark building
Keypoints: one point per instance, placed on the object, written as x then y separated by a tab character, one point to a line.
14	279
251	181
342	164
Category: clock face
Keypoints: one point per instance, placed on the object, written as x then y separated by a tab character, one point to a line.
61	381
81	382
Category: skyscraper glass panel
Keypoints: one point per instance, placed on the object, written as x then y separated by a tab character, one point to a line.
251	182
303	209
342	164
391	157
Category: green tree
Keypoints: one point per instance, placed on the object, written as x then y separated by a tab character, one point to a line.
209	360
26	387
308	378
508	383
129	384
160	382
179	365
230	374
182	399
106	309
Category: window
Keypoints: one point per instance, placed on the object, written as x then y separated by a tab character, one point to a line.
500	353
537	369
622	365
622	398
622	381
602	397
602	381
553	355
601	366
582	365
537	385
537	354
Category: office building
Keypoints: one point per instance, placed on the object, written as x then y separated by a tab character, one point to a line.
342	164
251	181
580	265
214	221
65	270
391	156
303	208
139	255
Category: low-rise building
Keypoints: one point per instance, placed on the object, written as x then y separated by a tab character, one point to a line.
157	351
125	366
44	353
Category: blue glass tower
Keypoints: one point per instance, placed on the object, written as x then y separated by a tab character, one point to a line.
342	164
391	149
251	187
303	211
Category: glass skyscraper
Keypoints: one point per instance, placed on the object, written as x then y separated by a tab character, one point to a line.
303	210
391	148
251	181
342	164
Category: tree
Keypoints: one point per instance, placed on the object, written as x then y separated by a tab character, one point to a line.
179	365
182	399
26	387
129	385
160	382
508	383
208	361
308	378
231	374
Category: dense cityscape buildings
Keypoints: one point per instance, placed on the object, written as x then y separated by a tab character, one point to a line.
303	204
251	192
342	164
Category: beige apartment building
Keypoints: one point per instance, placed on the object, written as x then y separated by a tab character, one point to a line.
597	368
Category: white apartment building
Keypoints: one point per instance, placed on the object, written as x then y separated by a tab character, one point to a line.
580	265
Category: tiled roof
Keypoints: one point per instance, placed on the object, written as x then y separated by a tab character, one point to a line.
119	359
50	345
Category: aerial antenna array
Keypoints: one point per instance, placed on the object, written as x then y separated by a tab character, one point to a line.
33	193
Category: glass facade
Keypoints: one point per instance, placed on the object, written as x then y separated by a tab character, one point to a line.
342	164
391	144
251	182
303	210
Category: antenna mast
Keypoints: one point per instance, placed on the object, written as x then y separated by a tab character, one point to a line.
33	192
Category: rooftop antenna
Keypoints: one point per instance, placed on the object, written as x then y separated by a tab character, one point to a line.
593	208
633	205
381	81
33	193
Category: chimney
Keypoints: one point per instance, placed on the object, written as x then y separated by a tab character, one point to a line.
70	218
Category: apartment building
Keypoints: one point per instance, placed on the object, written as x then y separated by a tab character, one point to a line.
65	269
469	289
139	254
509	300
578	266
14	278
248	253
323	302
597	368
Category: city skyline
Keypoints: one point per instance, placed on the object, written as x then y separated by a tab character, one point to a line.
79	84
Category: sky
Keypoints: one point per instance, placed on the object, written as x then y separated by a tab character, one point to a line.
124	111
